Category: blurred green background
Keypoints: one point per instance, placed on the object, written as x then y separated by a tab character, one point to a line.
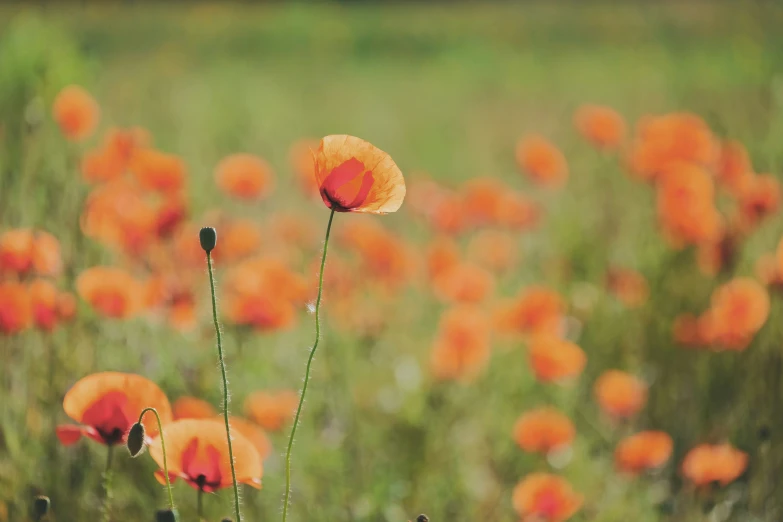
446	88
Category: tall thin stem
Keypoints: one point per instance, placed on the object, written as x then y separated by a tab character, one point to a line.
163	448
200	504
307	371
225	386
107	484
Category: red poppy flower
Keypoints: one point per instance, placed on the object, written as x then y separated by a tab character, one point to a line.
107	404
355	176
197	451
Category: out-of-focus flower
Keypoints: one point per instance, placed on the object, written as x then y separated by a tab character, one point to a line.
494	250
542	161
157	171
602	126
545	497
733	167
244	176
302	159
462	344
554	359
464	282
442	255
16	250
543	430
187	407
518	213
76	112
15	308
115	156
111	292
107	404
47	260
535	311
254	434
197	451
758	198
620	394
239	238
671	138
43	303
686	205
355	176
708	463
385	256
482	199
643	451
630	287
272	410
738	310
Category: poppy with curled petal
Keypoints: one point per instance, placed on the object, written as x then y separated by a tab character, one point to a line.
642	451
107	404
545	497
355	176
197	451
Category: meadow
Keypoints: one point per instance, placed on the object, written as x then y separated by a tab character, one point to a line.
575	314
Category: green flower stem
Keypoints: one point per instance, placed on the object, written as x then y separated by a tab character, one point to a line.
162	447
307	371
107	484
225	385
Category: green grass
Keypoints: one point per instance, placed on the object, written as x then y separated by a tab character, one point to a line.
446	89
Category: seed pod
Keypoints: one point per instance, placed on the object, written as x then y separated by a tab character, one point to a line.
422	518
208	238
135	442
41	506
166	515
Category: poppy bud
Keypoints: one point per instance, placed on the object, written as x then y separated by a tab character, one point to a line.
208	238
422	518
166	515
40	507
135	442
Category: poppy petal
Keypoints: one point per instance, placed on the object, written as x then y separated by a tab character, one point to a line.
68	434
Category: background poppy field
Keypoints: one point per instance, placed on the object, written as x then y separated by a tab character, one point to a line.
590	248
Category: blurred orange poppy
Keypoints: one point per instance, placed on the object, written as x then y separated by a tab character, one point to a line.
734	166
688	331
15	308
545	497
239	238
385	256
628	286
779	255
112	292
187	407
554	359
114	157
536	310
464	282
16	250
442	255
43	303
462	344
759	198
66	306
543	430
254	434
767	270
355	176
47	260
300	157
446	215
271	410
738	310
709	463
157	171
516	212
197	451
482	199
542	161
244	176
620	394
686	205
643	451
107	404
76	112
602	126
493	250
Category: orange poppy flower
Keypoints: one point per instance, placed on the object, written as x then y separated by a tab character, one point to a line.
447	215
76	112
554	359
779	255
733	166
545	497
115	156
43	303
239	238
192	408
355	176
66	306
254	434
536	311
110	291
516	212
759	197
493	250
244	176
642	451
158	171
262	312
15	308
442	255
708	463
482	199
671	138
197	451
687	331
686	205
107	404
47	260
543	430
16	250
385	257
738	310
767	270
620	394
604	127
464	283
272	410
542	161
300	156
628	286
462	345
